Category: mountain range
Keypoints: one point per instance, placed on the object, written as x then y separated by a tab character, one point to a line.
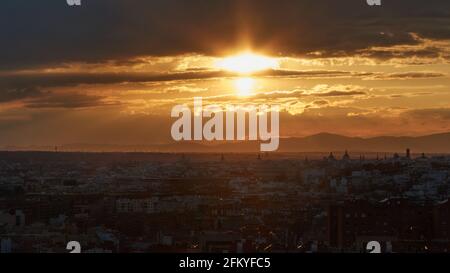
323	142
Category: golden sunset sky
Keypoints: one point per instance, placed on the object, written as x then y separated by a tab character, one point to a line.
109	72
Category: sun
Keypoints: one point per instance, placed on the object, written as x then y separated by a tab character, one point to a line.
244	86
247	63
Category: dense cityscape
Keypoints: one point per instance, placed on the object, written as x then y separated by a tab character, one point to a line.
235	203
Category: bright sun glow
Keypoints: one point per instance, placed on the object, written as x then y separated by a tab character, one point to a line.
244	86
247	63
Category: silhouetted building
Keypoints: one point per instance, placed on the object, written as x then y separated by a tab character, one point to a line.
346	156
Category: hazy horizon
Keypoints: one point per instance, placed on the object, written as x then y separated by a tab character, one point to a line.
318	143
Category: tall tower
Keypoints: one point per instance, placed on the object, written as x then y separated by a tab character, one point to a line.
346	156
408	153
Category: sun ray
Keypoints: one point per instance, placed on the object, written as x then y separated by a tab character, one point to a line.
247	63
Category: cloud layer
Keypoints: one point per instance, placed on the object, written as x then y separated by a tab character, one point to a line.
38	33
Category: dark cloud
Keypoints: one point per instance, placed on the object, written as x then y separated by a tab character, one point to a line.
295	94
320	102
75	78
36	33
280	95
69	100
21	85
428	52
336	93
36	98
408	75
396	96
72	79
300	94
9	95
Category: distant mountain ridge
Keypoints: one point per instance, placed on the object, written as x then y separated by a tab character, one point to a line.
323	142
436	143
